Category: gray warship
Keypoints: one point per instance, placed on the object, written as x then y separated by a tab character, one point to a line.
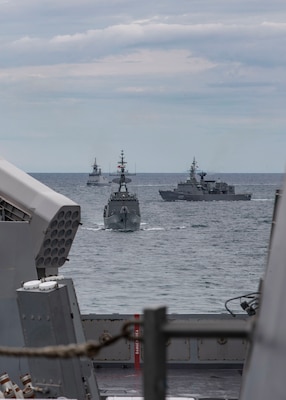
122	212
95	178
202	190
49	350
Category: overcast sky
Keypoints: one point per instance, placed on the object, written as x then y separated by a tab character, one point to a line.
163	80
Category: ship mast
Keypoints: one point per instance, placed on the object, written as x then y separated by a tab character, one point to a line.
121	165
193	169
95	167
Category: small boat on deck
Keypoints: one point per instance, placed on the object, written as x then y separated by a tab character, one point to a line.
95	178
122	212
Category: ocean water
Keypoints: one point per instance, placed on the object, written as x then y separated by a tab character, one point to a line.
188	256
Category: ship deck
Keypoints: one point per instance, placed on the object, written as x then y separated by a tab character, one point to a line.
188	383
196	368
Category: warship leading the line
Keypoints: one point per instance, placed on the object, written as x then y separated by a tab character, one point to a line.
202	190
95	178
48	349
122	212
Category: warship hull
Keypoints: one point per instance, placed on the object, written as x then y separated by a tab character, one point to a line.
122	212
172	195
97	182
123	221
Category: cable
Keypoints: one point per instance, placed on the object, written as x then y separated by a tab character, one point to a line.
249	306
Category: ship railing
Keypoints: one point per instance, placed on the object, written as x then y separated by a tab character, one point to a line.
157	331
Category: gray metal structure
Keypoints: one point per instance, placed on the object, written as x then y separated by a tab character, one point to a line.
202	190
37	228
264	376
122	211
157	331
189	352
50	317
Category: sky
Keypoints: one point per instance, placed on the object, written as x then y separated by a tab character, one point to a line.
163	80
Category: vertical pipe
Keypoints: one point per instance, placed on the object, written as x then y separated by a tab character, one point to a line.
136	344
278	195
154	354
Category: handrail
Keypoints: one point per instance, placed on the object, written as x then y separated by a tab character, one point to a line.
156	333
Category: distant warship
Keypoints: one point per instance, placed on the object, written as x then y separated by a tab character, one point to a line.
202	190
122	211
95	178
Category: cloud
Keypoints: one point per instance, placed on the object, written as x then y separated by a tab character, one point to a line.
143	62
216	41
143	70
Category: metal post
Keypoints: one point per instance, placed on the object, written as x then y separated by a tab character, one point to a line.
154	354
